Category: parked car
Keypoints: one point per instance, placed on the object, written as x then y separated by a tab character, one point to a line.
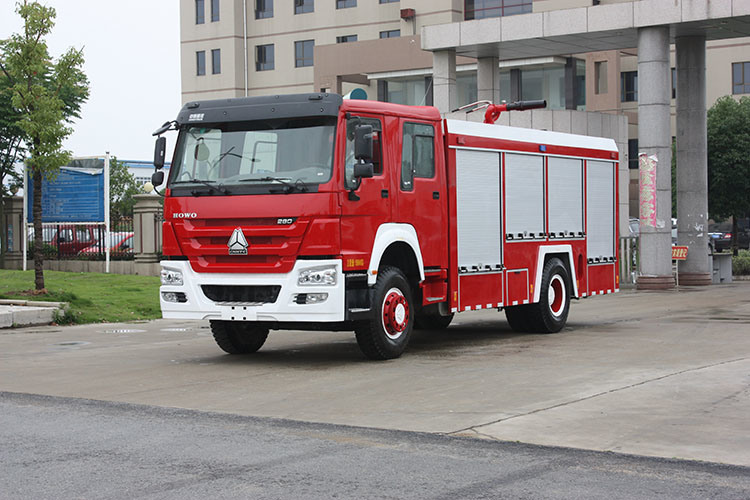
119	243
721	235
635	226
67	239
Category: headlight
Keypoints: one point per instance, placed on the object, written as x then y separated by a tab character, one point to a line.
170	277
316	276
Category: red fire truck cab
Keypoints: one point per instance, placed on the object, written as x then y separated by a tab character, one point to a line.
310	212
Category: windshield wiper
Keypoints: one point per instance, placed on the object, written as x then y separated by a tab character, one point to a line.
289	187
219	189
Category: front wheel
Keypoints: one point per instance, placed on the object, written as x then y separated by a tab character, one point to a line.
550	314
386	333
238	337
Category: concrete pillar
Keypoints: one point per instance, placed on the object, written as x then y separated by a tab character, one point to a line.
14	223
444	80
654	138
692	164
488	79
147	221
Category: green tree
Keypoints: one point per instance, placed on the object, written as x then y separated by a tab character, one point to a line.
47	96
729	161
11	151
122	188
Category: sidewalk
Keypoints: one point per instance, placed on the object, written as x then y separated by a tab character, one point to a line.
27	313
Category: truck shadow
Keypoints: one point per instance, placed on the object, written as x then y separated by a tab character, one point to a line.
324	350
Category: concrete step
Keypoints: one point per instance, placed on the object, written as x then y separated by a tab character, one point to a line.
15	313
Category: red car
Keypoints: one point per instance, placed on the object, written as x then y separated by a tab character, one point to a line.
69	240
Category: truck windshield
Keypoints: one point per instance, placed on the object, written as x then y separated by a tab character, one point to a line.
296	153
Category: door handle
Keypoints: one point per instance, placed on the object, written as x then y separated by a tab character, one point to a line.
384	193
435	195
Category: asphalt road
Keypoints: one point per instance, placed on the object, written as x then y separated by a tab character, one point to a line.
73	448
663	374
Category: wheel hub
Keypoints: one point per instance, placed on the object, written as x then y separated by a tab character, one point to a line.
395	313
556	295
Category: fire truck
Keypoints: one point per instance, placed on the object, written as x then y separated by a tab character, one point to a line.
312	212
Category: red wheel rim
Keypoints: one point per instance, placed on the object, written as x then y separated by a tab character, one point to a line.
556	295
395	313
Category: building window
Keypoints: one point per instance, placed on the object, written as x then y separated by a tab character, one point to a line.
741	78
600	77
263	9
303	6
214	11
216	61
479	9
388	1
629	86
303	53
200	12
345	4
418	154
633	154
264	57
390	34
674	83
346	38
200	63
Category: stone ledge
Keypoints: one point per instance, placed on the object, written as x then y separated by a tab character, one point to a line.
655	282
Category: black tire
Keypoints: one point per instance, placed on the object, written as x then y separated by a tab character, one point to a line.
518	318
432	321
550	314
238	337
386	333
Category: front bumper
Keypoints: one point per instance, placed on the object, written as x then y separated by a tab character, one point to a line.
284	309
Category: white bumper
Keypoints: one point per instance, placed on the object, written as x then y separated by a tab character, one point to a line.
285	308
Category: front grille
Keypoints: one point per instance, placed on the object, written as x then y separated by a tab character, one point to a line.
260	294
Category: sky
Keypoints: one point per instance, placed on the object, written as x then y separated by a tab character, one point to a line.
132	53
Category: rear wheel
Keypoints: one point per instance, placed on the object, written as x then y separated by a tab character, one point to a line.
238	337
550	314
386	333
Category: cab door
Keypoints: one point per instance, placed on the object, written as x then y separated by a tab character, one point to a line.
366	206
421	190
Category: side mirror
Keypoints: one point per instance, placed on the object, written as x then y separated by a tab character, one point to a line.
159	151
363	170
157	178
363	142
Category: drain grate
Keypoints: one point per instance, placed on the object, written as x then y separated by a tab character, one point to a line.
176	329
124	330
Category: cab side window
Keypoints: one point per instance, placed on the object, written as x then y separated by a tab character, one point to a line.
377	132
418	154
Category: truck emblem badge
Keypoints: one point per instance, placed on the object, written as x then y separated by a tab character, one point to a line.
195	117
237	243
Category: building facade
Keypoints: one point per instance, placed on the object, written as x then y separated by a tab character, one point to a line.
232	48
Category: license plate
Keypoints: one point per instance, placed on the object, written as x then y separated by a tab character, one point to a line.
238	313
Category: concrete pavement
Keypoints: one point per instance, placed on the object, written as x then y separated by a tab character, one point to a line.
652	373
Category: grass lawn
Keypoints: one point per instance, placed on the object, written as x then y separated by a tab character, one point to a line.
93	297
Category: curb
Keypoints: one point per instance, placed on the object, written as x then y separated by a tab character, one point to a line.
15	313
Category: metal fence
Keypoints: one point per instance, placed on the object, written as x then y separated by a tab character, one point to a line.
629	260
86	241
